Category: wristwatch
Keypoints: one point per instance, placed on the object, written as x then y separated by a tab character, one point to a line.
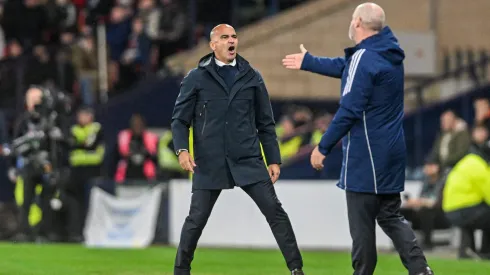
180	151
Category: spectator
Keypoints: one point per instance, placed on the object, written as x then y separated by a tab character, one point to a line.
135	59
136	152
425	212
172	28
482	112
321	125
149	14
118	30
466	199
451	144
12	79
41	67
25	21
65	76
84	58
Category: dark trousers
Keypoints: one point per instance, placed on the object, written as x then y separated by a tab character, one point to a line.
31	180
265	197
470	219
426	220
363	211
76	194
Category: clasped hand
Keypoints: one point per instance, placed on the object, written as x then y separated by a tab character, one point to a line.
317	159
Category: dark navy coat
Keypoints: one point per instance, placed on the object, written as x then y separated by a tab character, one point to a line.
228	126
370	117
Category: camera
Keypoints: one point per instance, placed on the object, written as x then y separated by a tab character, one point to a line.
52	101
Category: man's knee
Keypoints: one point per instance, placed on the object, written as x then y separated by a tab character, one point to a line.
272	209
387	223
198	218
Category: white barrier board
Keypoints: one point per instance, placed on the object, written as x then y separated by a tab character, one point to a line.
317	210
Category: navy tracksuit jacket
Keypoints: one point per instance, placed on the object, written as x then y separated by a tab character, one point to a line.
370	118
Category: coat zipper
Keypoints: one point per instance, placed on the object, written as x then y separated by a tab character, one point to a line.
203	111
251	119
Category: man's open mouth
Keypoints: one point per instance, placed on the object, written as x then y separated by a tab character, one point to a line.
231	49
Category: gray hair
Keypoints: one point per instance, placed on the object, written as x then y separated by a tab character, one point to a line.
372	16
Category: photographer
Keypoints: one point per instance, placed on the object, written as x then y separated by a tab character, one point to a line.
36	146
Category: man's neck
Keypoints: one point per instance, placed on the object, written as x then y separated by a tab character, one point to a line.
223	63
364	36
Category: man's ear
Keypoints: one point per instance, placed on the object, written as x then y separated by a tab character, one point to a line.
358	22
212	45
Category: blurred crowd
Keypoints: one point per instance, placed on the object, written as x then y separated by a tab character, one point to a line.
299	131
56	42
456	188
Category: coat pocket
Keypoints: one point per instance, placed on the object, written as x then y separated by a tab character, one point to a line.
203	116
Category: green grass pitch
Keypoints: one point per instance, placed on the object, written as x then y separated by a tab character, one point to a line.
32	259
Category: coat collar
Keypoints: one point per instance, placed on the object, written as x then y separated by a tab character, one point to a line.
208	62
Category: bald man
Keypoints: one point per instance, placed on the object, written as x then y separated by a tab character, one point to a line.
226	102
370	123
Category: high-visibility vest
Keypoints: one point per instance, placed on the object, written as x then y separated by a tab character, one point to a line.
468	184
150	141
166	157
82	157
316	137
288	148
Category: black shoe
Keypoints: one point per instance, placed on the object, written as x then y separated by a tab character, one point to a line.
297	272
427	272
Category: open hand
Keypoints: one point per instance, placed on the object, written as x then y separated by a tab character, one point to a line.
186	161
317	159
294	61
274	171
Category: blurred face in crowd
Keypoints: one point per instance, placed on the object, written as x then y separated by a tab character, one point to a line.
15	49
33	98
87	43
146	4
137	124
31	3
224	43
118	14
67	38
431	169
480	135
287	126
322	122
137	25
448	121
85	117
482	109
301	117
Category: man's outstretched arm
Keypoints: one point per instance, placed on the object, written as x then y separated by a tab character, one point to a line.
333	67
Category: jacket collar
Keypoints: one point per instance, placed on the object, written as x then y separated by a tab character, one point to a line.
208	63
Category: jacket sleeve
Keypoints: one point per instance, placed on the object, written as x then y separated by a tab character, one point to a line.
356	94
184	111
266	126
463	143
332	67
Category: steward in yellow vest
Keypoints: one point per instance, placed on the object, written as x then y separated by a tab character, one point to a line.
466	198
168	161
86	157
